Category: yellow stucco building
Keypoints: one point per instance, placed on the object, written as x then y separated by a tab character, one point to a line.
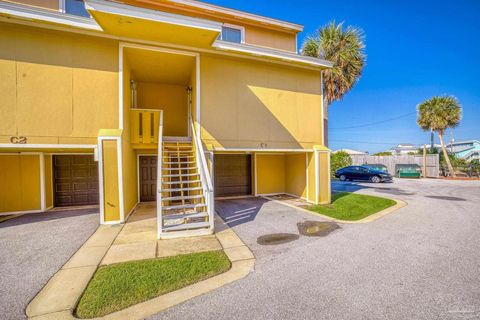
93	94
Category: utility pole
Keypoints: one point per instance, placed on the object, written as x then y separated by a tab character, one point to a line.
424	160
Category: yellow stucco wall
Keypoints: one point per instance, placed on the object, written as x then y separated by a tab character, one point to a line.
172	99
255	34
324	194
250	104
311	177
19	183
295	174
270	173
48	180
270	38
47	4
110	181
56	87
129	156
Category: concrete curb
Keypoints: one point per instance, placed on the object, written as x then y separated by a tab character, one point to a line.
399	204
58	299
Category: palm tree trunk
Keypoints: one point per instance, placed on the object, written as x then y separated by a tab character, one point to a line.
325	122
445	154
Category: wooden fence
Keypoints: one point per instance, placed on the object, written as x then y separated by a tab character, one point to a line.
432	162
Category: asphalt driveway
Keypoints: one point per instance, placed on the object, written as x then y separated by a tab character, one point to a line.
421	262
33	248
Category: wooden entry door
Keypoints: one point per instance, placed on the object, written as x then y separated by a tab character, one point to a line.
75	179
148	178
233	175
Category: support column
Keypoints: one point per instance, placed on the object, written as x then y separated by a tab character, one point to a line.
322	175
110	176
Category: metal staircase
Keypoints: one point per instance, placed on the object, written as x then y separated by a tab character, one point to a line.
185	195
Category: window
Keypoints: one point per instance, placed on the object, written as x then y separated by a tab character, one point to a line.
232	33
74	7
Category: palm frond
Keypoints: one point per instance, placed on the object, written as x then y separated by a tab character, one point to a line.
345	47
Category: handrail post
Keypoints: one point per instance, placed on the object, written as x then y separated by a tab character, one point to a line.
204	175
159	177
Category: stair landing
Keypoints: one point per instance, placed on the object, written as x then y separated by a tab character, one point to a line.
138	239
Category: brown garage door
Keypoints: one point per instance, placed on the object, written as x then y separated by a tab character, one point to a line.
148	178
75	180
232	175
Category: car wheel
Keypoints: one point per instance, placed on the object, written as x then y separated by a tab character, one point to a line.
343	177
375	179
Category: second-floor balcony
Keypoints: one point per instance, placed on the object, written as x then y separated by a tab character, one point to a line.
144	125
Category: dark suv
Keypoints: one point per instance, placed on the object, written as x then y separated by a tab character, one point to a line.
362	173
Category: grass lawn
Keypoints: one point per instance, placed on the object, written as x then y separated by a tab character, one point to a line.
352	206
121	285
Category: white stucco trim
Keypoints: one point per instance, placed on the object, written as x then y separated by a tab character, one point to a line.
38	14
270	53
43	199
239	14
317	176
152	15
46	146
253	56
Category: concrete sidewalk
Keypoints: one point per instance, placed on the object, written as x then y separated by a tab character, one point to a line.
136	240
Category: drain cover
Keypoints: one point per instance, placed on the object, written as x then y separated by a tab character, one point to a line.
276	238
316	228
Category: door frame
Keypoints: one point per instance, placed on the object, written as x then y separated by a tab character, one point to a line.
138	171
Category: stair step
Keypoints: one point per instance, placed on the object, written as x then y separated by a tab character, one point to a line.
179	162
172	216
177	157
196	196
177	151
180	175
181	182
185	206
181	168
183	189
189	146
186	226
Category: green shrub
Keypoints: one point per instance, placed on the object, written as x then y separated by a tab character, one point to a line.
339	160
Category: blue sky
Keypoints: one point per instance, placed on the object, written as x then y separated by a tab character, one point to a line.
415	50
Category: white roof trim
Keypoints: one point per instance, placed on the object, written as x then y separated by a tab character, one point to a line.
259	150
238	14
272	53
46	146
153	15
31	13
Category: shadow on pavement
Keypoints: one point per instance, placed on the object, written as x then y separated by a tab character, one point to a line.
238	211
47	216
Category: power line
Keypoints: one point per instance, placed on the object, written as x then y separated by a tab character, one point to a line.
368	142
374	123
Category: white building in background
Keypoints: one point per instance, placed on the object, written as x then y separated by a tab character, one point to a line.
352	152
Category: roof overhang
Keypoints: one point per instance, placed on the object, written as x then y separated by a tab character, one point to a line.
272	54
199	6
134	22
29	13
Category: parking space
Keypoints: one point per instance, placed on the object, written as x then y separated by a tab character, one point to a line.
33	247
420	262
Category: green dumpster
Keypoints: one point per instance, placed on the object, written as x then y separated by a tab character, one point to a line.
408	170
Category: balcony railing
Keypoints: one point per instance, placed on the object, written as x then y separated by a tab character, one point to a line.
144	126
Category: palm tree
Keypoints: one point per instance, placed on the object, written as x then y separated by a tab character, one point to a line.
438	114
346	49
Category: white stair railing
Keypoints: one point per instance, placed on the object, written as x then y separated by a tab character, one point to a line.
159	177
205	178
